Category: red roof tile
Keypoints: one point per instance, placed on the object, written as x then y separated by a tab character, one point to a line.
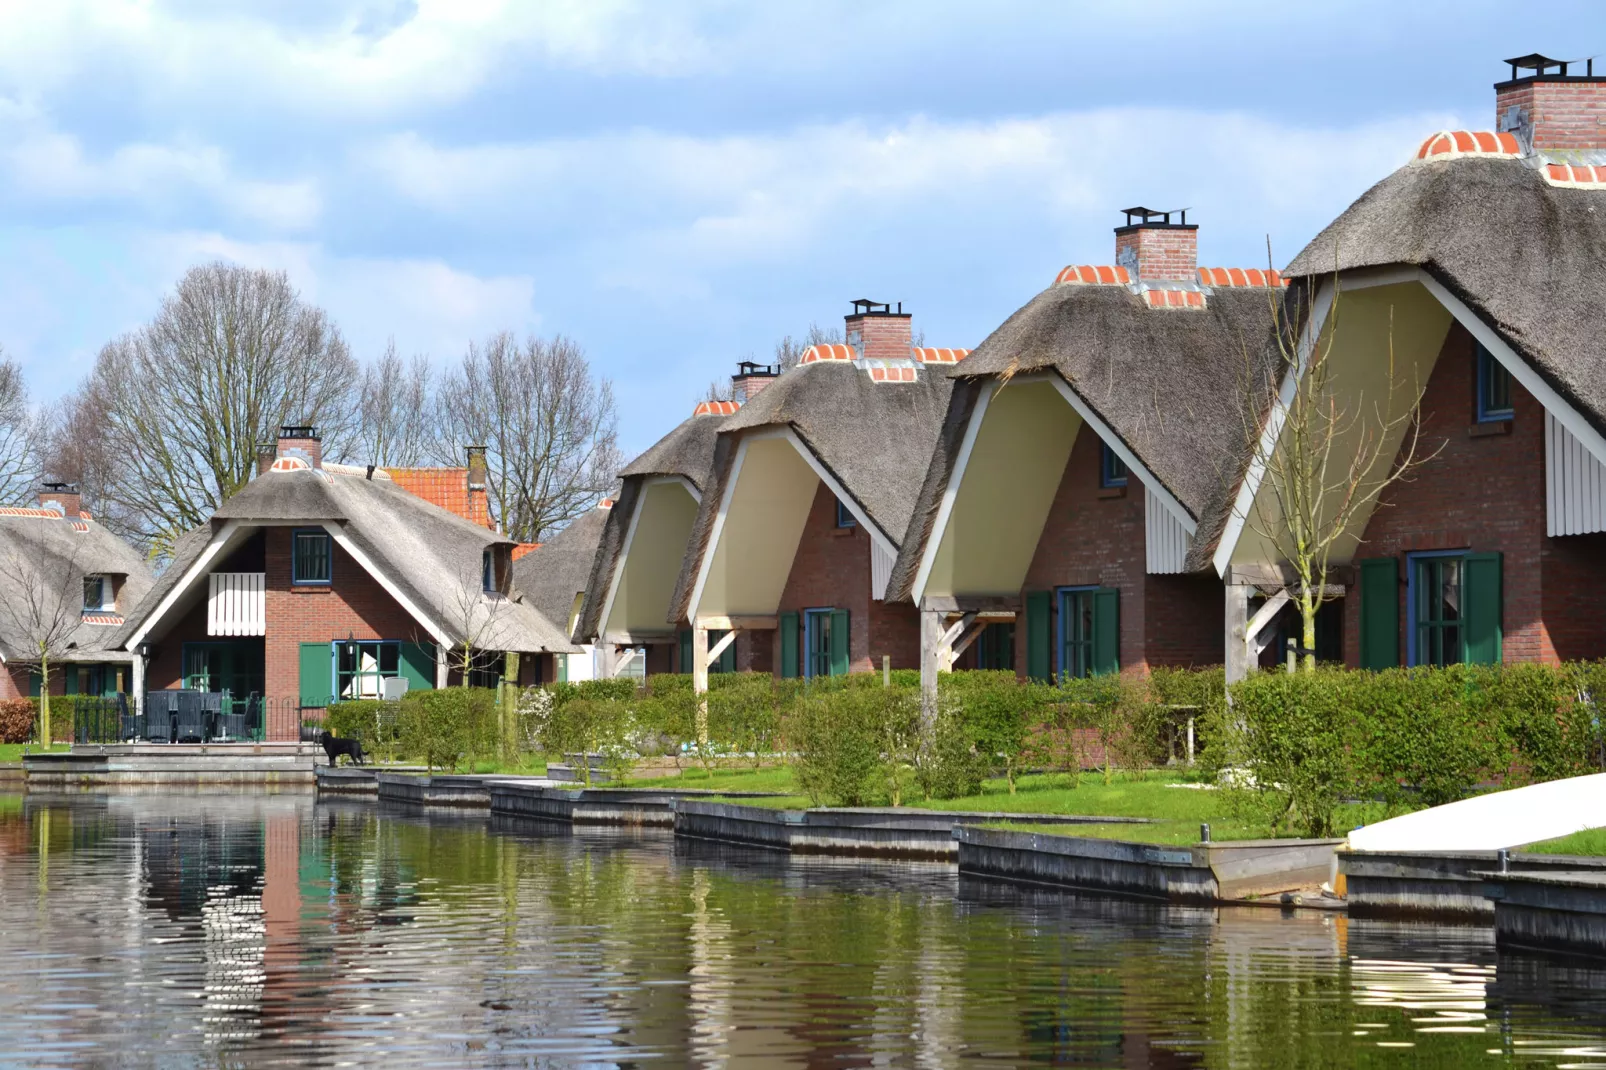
1093	275
1240	277
828	351
927	355
1450	144
520	549
447	488
1577	176
716	408
1174	298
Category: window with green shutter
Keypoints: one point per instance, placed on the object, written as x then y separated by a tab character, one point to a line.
685	649
1380	613
840	655
789	651
418	666
1039	643
1089	631
1106	631
1481	587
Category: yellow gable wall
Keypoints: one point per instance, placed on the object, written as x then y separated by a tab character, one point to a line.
665	514
1005	492
1375	333
763	523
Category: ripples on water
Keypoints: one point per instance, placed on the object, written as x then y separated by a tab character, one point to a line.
273	930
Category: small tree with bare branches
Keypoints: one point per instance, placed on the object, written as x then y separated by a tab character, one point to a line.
42	594
1325	451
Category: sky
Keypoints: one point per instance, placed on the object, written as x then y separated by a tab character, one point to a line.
676	185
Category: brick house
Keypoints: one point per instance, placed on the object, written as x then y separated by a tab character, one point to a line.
811	490
65	581
1477	268
625	601
552	577
1085	440
318	582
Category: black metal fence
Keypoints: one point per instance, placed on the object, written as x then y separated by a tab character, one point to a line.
171	716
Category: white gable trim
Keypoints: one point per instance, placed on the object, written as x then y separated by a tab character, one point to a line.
630	538
1238	518
192	576
928	554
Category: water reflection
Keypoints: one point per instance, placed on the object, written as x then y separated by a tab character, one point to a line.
246	929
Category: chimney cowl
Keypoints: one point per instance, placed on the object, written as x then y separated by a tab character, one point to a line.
750	378
300	440
477	467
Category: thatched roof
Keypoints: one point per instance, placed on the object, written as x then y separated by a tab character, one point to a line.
875	438
1168	382
552	574
430	554
1527	257
44	557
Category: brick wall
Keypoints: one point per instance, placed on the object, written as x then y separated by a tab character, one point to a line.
882	336
1093	537
1156	253
1186	619
1486	493
1565	115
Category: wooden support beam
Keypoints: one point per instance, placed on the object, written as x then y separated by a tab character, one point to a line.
699	679
930	660
970	635
972	603
719	648
739	623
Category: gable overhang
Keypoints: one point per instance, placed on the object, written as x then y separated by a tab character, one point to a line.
234	532
1558	408
763	455
650	488
988	401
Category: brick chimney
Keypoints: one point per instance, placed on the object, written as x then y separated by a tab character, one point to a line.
301	440
1552	106
1153	246
479	493
750	378
62	495
266	452
877	332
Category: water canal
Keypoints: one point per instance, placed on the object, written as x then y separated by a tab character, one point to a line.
241	930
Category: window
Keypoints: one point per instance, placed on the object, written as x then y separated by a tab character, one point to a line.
816	642
361	668
1112	470
844	516
97	593
1437	608
310	557
487	571
995	646
1494	388
1076	632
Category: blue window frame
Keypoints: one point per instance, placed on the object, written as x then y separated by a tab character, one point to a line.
844	516
1075	632
362	666
1494	388
1435	600
311	557
487	571
816	643
1112	470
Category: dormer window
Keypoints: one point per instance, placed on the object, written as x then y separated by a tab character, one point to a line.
488	572
98	594
1494	388
1112	470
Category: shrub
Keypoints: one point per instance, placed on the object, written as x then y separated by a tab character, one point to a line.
16	720
837	737
951	767
1291	742
743	712
999	714
449	727
373	722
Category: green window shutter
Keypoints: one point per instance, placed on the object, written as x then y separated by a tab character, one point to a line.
1483	605
839	642
685	650
1380	613
418	665
69	679
317	674
563	667
789	623
727	657
1039	641
1106	631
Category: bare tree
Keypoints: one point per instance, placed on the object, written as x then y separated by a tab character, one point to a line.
181	404
19	434
393	407
1326	450
548	424
789	351
42	598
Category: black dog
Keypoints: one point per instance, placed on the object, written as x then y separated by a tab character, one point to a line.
351	748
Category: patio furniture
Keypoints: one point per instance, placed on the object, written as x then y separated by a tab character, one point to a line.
161	716
189	725
234	722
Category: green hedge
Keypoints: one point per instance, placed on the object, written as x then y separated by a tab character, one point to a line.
1304	743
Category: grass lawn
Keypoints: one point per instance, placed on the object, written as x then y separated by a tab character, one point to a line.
1591	842
12	752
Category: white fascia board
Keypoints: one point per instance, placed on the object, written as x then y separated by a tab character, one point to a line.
1238	518
707	560
887	545
368	566
928	553
630	538
1113	441
1570	418
198	568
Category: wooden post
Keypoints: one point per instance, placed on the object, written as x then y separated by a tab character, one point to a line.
139	685
442	666
931	632
699	679
886	670
1237	652
510	699
607	658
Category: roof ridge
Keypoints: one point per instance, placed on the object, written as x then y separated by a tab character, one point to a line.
716	408
1457	144
1093	275
1261	277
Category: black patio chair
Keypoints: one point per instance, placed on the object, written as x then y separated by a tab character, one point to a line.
190	723
161	716
234	721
